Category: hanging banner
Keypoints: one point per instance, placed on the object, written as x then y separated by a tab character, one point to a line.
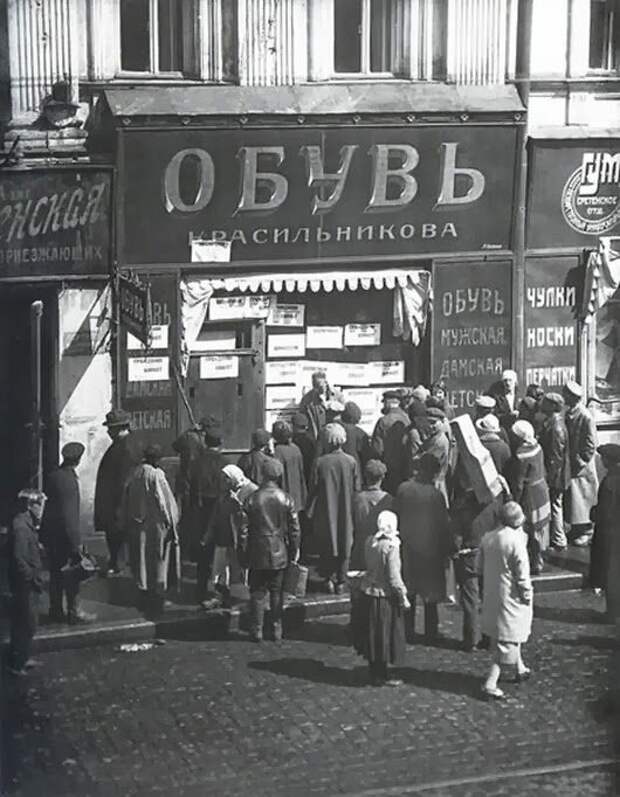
134	297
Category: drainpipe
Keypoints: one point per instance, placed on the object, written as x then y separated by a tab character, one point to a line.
523	54
36	314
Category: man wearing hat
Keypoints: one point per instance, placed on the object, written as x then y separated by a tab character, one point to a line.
583	482
25	579
437	443
489	431
314	403
114	471
605	558
484	406
553	439
506	397
60	533
387	439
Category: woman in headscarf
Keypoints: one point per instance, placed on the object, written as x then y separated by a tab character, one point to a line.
507	598
335	478
529	488
220	538
378	627
151	517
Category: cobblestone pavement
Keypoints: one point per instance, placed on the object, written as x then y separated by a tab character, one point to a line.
233	718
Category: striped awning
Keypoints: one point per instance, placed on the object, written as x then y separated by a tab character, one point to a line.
315	281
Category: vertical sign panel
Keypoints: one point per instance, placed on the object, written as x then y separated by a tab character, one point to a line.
471	327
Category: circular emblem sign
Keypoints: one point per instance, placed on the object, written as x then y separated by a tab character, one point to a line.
591	195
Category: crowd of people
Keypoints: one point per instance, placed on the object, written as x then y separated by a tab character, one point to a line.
393	515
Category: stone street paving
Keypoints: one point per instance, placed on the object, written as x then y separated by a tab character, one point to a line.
233	718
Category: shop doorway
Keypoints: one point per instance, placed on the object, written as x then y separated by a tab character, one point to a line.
18	443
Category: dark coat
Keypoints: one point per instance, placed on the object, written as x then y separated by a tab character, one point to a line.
252	465
498	449
313	405
335	478
367	506
605	555
25	569
307	447
387	441
293	478
115	469
189	447
269	536
426	539
60	529
225	520
206	477
554	443
357	444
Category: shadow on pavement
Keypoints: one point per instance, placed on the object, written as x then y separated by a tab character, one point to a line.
323	633
596	642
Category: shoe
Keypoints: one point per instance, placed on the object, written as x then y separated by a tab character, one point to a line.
394	682
492	694
81	618
582	541
329	587
277	632
484	644
18	673
521	677
31	664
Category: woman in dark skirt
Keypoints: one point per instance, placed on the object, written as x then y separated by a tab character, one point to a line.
377	619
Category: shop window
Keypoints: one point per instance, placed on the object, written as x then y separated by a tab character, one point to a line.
604	35
156	36
607	352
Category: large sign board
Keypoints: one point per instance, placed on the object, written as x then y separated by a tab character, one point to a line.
471	327
553	291
317	192
574	193
54	222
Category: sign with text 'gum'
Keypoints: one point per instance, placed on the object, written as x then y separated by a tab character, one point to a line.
317	192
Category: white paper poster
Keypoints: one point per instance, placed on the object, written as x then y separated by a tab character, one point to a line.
271	416
362	335
350	374
159	339
223	367
216	340
386	372
279	397
226	308
148	369
282	372
286	345
286	315
324	337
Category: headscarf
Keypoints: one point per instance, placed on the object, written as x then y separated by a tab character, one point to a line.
387	525
524	431
335	434
236	476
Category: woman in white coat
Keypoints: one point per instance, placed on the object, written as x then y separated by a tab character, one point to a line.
508	596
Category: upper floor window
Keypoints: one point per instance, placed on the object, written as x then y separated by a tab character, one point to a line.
363	36
604	35
156	36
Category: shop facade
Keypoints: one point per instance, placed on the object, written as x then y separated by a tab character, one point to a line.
377	245
573	205
55	311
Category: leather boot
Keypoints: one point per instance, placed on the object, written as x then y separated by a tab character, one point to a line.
257	616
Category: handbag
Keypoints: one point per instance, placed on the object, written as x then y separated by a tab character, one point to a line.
296	580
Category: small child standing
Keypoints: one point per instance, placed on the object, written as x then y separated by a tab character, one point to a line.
379	627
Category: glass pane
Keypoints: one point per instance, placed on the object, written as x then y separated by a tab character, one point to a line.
347	35
135	36
599	32
607	376
380	35
170	35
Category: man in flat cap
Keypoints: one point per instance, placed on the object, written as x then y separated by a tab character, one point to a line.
25	579
387	439
61	535
114	471
506	396
605	558
583	485
554	443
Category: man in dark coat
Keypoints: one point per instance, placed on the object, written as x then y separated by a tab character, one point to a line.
60	533
304	442
387	439
189	447
357	444
314	403
114	472
25	579
289	456
583	485
554	443
506	397
335	478
269	539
